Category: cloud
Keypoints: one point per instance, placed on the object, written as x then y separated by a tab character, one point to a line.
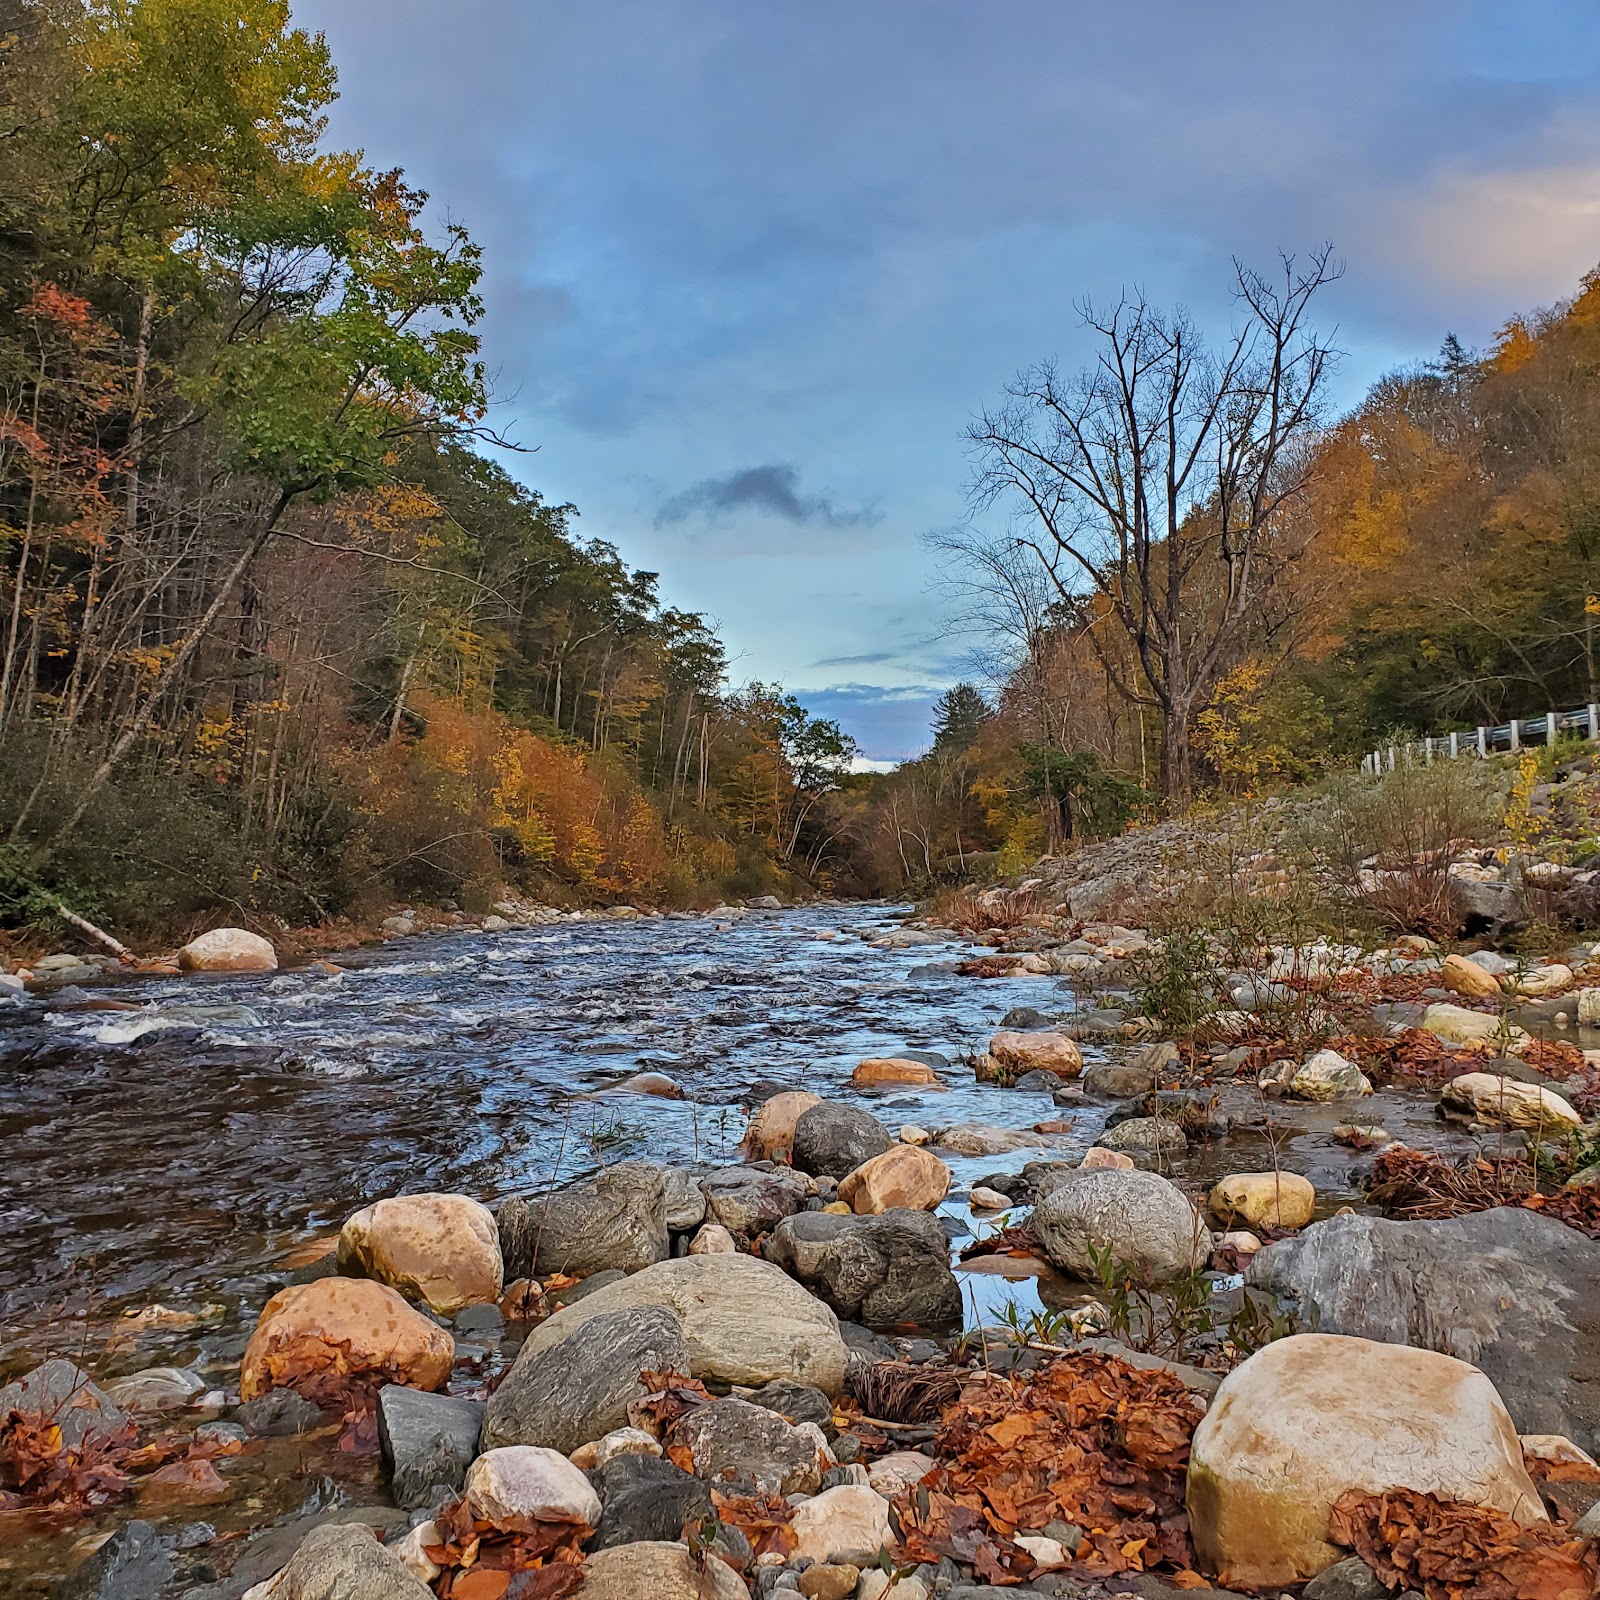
774	490
890	724
871	659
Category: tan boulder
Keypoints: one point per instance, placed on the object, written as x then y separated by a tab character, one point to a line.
895	1073
1467	978
904	1175
713	1240
770	1136
1505	1101
1309	1418
443	1249
1036	1052
336	1328
1099	1156
851	1517
1264	1199
1458	1025
518	1486
228	950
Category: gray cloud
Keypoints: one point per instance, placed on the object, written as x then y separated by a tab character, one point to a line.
773	489
870	659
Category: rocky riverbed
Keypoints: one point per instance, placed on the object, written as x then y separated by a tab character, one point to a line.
803	1250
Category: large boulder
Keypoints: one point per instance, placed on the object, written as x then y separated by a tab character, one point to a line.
905	1175
743	1447
1467	978
428	1441
64	1394
881	1270
1138	1220
1508	1290
567	1393
831	1140
228	950
850	1517
443	1249
516	1487
646	1497
770	1136
745	1321
1150	1137
984	1139
1458	1025
1264	1199
1328	1076
1311	1417
660	1571
1018	1053
344	1561
1509	1103
895	1072
751	1201
616	1220
324	1332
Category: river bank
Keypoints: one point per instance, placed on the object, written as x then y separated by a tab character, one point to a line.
176	1167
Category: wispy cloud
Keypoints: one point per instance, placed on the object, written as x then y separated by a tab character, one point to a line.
773	490
871	659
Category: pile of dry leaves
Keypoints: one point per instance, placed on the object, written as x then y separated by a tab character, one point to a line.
1459	1552
480	1561
1415	1186
1089	1440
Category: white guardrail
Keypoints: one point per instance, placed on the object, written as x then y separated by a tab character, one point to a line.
1513	735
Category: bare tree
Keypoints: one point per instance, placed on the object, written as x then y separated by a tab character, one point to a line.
1157	482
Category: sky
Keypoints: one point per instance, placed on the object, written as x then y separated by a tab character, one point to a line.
753	266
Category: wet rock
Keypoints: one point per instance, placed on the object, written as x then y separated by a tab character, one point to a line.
1264	1199
750	1201
1328	1076
895	1072
1144	1222
343	1561
228	950
442	1249
1145	1136
981	1139
133	1564
1018	1052
905	1176
59	1392
1468	978
1504	1101
745	1321
615	1220
1510	1291
1107	1160
1296	1427
646	1498
832	1139
343	1327
849	1518
1119	1080
659	1570
1457	1025
982	1199
563	1393
799	1402
427	1441
880	1270
280	1414
770	1136
1025	1017
156	1389
518	1486
732	1442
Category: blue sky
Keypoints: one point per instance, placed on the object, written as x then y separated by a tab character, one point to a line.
753	265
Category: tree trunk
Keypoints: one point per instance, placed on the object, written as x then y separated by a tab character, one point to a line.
1177	768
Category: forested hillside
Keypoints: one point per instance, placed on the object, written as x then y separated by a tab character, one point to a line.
1430	561
276	633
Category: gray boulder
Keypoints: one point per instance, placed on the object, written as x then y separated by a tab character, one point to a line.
685	1203
831	1140
616	1219
569	1391
799	1402
878	1270
1513	1293
1143	1224
750	1201
1145	1136
133	1564
59	1392
428	1441
646	1497
1119	1080
746	1447
343	1561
